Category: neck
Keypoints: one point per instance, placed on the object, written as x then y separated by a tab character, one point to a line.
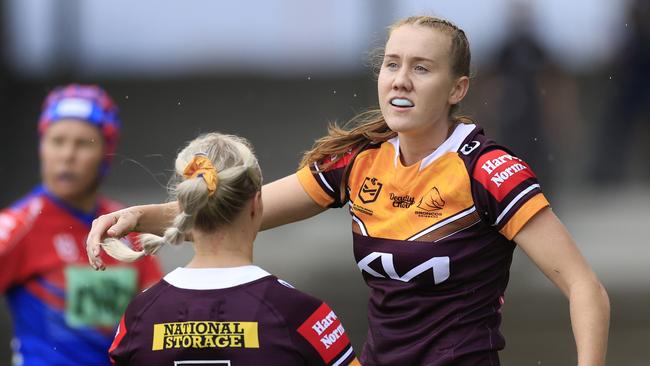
86	202
223	248
414	146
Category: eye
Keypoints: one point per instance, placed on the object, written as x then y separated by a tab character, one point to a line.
391	65
57	141
421	69
86	143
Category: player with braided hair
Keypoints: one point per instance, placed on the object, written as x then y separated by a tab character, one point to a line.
220	309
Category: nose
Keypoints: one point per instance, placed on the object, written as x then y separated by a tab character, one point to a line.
67	152
402	80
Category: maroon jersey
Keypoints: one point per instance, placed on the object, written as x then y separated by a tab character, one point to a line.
229	316
433	242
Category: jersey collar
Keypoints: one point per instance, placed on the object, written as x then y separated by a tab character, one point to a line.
213	278
451	144
85	217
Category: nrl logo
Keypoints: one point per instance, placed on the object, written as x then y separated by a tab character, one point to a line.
432	201
370	190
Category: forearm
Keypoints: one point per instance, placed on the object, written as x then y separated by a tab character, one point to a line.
590	311
155	218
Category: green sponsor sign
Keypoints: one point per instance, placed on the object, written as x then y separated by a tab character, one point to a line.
98	298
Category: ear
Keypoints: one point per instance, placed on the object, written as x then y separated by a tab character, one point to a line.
256	205
459	90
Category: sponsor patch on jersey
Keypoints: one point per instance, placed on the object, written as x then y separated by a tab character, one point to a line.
404	201
500	172
98	298
324	331
205	334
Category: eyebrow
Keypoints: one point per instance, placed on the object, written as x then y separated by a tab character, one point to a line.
416	58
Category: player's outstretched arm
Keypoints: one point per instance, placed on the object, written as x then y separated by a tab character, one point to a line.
284	200
147	219
547	242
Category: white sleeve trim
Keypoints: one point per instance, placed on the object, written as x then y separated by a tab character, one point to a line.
514	201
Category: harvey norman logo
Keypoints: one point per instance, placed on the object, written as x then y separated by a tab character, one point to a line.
324	331
205	334
332	335
501	177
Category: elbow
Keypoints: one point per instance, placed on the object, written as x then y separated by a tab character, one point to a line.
593	292
602	293
597	294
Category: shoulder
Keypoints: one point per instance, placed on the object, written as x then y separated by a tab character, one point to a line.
499	171
340	161
318	331
18	219
474	144
145	299
292	303
298	309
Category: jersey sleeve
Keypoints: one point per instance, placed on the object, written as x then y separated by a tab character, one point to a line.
13	228
324	186
118	352
506	191
323	340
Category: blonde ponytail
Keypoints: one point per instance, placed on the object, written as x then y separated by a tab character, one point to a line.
205	205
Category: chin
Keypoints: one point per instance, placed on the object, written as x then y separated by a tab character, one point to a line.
65	194
401	126
71	193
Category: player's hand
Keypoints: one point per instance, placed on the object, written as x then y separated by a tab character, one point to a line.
116	225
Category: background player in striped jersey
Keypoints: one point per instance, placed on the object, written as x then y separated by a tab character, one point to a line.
220	309
437	211
62	313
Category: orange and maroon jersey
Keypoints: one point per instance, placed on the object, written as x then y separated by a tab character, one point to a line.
229	316
433	242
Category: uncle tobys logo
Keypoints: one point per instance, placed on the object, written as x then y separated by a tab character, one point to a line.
205	334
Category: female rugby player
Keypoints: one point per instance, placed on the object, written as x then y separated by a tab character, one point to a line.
437	210
220	309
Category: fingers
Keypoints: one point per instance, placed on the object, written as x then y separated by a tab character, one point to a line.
115	225
98	232
122	224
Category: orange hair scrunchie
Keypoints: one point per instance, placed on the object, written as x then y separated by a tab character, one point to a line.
201	166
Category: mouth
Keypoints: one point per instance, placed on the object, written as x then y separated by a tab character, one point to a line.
66	177
402	103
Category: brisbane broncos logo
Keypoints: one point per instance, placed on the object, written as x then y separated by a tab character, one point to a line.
432	201
370	190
